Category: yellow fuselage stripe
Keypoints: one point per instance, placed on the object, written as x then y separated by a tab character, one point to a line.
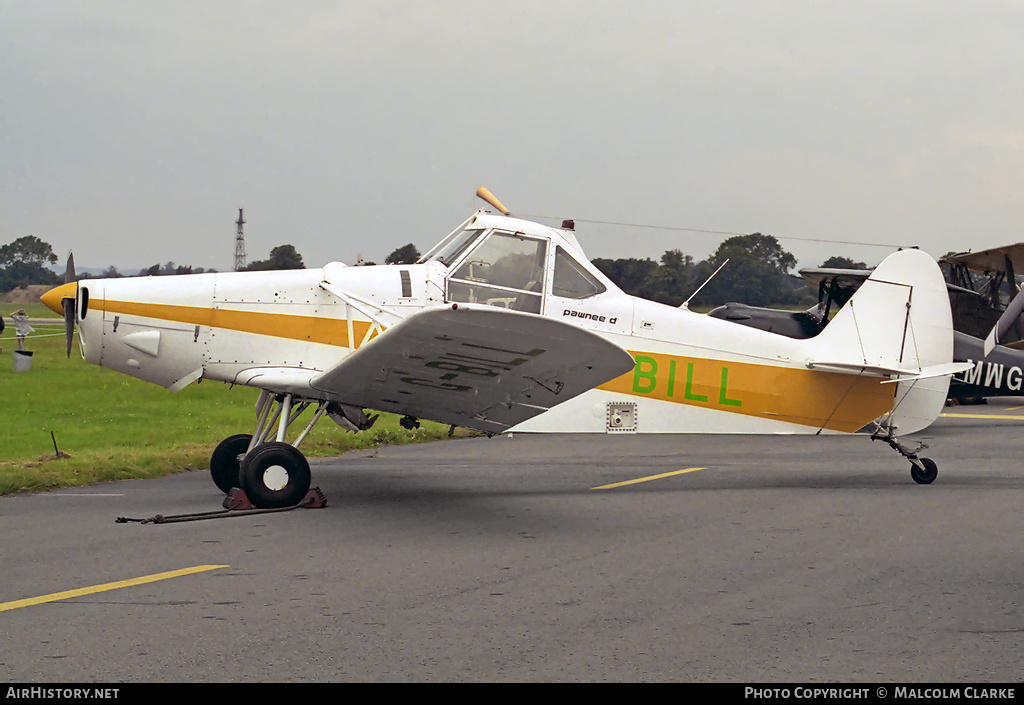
67	594
832	400
314	329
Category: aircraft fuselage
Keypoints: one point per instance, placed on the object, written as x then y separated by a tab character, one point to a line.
281	330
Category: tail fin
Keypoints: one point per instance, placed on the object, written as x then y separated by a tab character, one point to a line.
898	325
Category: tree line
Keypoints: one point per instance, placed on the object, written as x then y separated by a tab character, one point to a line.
757	271
281	257
27	260
752	269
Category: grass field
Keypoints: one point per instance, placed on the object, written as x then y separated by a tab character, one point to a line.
32	310
116	427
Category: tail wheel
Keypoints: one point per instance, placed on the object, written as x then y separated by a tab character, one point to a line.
225	464
926	476
275	475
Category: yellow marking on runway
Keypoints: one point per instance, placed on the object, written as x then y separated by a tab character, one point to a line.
645	479
982	416
29	601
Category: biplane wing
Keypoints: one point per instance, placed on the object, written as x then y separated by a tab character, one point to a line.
844	278
847	281
993	260
479	367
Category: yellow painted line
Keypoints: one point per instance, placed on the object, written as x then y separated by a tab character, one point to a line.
29	601
646	479
982	416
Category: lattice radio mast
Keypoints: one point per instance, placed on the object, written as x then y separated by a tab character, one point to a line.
239	244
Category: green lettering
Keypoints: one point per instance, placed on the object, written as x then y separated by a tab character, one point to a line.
671	378
722	399
644	381
689	385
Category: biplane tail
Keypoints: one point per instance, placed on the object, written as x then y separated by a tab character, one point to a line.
898	325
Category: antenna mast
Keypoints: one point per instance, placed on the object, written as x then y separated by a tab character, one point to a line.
239	244
686	304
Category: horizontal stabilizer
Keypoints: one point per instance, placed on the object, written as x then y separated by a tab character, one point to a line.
898	374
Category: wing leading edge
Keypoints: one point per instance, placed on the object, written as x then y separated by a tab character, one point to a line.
474	366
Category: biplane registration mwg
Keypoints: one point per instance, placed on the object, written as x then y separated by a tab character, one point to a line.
505	324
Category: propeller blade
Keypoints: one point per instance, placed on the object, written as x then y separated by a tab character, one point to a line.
1005	322
70	304
69	322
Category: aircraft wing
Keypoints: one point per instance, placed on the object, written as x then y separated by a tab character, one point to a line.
849	280
479	367
993	260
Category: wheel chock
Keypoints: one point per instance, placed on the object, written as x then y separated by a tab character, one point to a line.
236	499
314	499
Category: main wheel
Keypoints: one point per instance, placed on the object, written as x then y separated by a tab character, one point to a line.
225	463
274	475
926	476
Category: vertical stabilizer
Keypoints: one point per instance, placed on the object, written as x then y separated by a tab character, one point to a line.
898	324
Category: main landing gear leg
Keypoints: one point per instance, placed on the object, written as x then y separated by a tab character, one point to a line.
272	472
923	470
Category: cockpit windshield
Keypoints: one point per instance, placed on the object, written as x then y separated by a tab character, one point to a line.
506	270
449	249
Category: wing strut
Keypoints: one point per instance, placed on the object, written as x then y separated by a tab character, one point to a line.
362	305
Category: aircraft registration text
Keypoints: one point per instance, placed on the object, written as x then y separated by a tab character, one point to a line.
480	364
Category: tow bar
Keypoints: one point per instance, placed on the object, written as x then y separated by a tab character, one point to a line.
235	504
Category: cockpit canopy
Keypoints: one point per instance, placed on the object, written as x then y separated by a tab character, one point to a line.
513	264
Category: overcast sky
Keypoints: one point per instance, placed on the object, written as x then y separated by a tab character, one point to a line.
131	132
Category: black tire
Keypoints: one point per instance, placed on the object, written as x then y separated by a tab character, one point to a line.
274	475
225	461
926	476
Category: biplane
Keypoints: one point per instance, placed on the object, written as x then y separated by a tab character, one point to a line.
505	324
981	287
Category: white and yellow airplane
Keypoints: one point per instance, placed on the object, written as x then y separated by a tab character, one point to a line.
505	324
